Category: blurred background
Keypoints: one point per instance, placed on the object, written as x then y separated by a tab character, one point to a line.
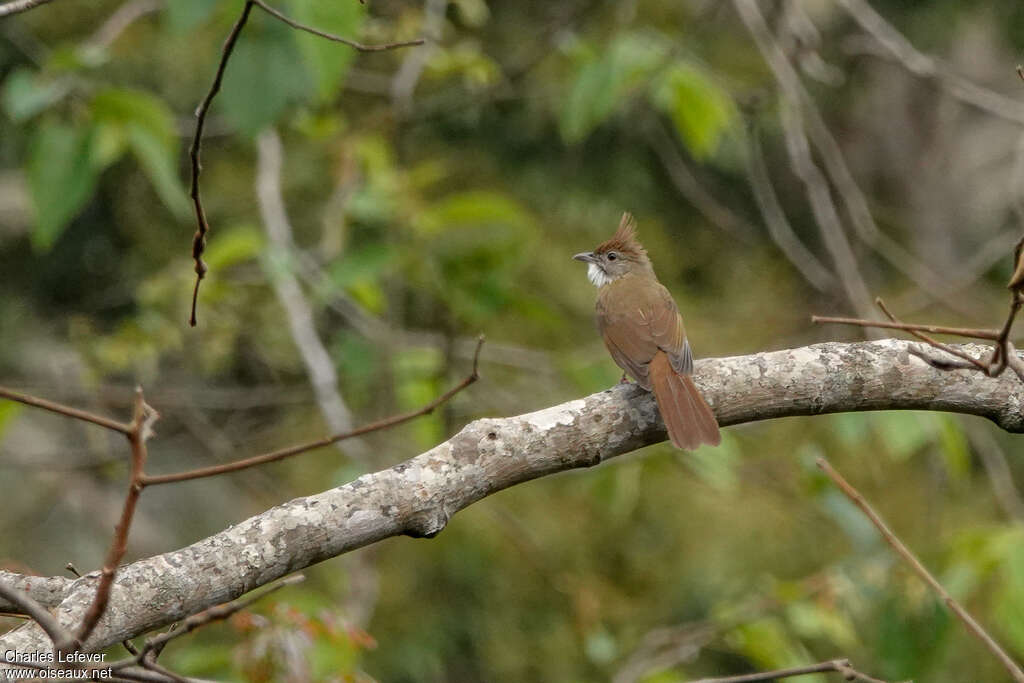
373	212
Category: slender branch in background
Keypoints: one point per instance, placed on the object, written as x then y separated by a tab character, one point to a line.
218	613
16	6
818	192
808	124
337	39
142	422
824	210
969	332
123	17
408	75
901	549
63	639
274	456
917	62
997	468
840	666
203	226
690	188
67	411
779	229
319	366
199	239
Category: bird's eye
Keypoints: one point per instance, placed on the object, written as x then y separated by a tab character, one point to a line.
612	256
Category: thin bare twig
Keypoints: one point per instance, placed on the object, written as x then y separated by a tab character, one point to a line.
917	62
16	6
67	411
362	47
969	332
298	312
408	75
290	451
816	184
841	666
934	342
904	552
218	613
778	226
199	239
203	226
690	188
997	468
121	19
142	421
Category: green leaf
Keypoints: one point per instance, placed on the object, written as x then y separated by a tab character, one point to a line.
25	94
603	83
264	76
327	61
147	126
364	264
8	411
161	167
475	208
61	178
700	110
234	245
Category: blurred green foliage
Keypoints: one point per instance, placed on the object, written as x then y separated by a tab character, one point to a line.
530	128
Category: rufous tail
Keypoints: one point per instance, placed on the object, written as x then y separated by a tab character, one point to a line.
687	415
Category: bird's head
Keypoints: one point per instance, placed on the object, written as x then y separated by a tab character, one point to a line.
621	255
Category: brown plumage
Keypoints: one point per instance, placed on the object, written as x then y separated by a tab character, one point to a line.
644	333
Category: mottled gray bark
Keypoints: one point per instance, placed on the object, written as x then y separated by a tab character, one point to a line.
419	496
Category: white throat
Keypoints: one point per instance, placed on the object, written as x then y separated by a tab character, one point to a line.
597	276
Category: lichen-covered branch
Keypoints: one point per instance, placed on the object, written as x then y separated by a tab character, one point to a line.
419	496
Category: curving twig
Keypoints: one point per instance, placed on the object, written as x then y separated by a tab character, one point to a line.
362	47
63	639
841	666
908	556
199	239
203	226
290	451
142	422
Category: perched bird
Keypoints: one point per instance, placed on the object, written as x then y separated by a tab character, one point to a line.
643	331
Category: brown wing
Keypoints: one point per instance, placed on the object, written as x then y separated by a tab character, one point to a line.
638	318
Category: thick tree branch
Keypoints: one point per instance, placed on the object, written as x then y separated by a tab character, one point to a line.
48	591
419	496
16	6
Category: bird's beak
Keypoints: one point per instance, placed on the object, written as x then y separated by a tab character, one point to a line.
587	257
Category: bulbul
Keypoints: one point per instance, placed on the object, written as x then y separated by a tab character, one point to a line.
643	331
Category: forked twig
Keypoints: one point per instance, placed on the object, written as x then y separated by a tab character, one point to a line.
202	225
904	552
217	613
67	411
138	431
143	418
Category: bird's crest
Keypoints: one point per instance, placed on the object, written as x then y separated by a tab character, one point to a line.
624	240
